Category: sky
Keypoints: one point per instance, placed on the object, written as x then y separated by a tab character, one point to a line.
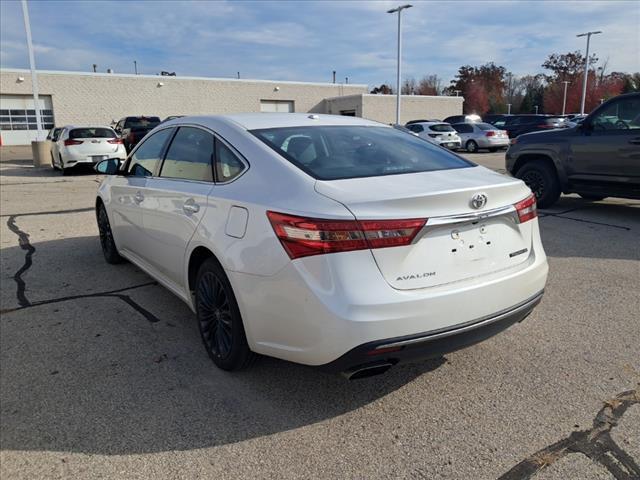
307	40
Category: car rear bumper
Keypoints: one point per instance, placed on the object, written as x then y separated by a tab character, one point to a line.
491	142
319	308
433	344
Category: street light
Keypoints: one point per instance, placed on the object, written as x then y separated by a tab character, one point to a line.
32	66
564	98
399	10
508	109
586	68
536	107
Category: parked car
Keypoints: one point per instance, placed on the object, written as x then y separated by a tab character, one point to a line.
475	136
330	241
81	145
53	134
497	120
172	117
133	129
518	124
463	118
598	158
437	132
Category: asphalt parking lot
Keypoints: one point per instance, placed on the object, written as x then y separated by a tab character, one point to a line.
102	373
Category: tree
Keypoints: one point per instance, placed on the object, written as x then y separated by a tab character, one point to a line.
383	89
566	66
490	78
409	86
429	85
476	99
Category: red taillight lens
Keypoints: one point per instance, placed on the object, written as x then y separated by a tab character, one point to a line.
72	142
527	209
303	237
115	141
490	133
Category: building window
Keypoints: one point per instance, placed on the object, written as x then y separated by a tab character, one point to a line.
280	106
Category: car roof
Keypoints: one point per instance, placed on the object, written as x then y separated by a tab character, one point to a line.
257	121
71	127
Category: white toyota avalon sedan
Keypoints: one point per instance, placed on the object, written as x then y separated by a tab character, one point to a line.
325	240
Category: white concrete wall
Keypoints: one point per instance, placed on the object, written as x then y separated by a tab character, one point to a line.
100	98
382	108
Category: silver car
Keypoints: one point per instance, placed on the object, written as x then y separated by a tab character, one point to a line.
475	136
436	132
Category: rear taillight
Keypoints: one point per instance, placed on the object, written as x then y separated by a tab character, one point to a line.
72	142
527	209
490	133
303	237
118	141
434	135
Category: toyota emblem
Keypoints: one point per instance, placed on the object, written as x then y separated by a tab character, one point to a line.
479	200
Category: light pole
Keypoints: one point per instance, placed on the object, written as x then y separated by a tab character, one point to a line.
399	10
586	69
508	109
564	98
457	92
536	107
32	65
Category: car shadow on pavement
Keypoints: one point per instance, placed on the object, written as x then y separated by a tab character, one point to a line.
86	370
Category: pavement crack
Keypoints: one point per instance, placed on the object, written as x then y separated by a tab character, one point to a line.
25	244
110	293
595	443
561	215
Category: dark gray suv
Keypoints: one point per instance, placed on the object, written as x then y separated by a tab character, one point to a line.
598	158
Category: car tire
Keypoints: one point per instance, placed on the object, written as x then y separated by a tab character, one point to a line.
543	181
493	150
593	198
109	249
471	146
219	320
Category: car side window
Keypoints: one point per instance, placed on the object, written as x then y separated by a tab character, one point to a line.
416	128
228	165
621	115
190	155
146	158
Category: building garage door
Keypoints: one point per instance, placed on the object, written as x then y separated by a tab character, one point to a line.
282	106
18	118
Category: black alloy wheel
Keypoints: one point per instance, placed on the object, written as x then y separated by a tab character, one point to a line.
541	178
109	249
219	319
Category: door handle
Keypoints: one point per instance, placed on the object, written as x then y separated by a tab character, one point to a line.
190	207
138	198
635	141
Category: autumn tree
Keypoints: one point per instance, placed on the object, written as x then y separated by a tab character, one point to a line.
566	66
488	78
429	85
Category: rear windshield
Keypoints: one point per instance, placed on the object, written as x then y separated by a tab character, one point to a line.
441	127
485	126
339	152
141	122
92	133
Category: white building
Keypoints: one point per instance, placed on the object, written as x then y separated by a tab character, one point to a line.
101	98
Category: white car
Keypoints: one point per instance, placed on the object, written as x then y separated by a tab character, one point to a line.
326	240
76	145
437	132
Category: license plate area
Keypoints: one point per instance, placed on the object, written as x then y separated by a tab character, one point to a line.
98	158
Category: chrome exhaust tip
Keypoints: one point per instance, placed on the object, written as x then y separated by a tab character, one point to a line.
366	371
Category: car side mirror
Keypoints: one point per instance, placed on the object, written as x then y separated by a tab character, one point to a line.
110	166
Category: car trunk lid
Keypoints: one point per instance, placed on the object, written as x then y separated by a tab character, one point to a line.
458	241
